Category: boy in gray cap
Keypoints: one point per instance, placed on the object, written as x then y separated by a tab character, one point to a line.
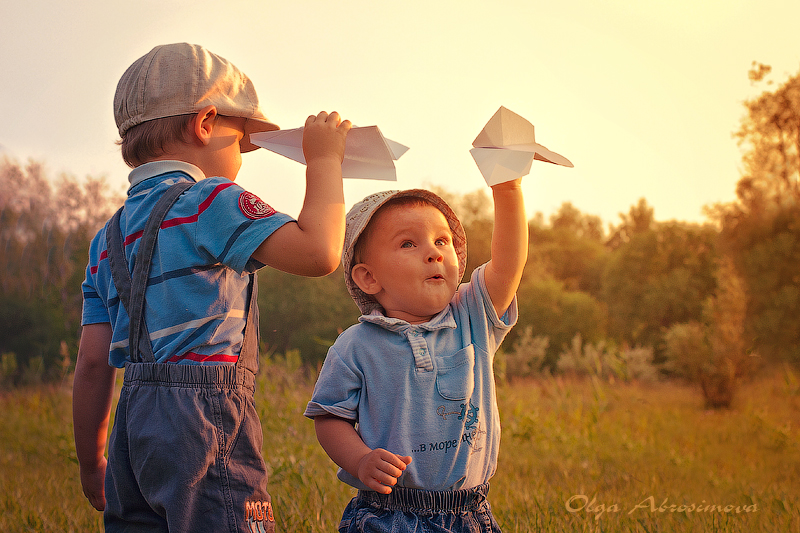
405	401
170	295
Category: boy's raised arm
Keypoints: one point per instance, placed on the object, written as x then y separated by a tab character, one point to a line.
313	245
509	244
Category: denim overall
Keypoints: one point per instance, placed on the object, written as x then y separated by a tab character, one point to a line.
185	451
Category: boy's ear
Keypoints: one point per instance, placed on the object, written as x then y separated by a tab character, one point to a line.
203	124
362	276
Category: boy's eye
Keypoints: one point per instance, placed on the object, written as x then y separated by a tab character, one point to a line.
406	244
442	241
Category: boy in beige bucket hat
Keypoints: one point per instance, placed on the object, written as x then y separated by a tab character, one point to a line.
405	401
170	295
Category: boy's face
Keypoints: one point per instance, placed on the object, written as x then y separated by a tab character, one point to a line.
410	264
224	153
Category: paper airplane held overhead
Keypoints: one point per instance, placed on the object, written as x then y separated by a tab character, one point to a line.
367	154
506	147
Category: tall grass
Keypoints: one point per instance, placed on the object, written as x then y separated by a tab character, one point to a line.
620	456
576	455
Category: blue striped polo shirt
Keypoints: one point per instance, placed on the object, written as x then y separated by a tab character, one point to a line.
197	291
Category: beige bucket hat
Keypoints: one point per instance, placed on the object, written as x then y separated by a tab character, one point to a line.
181	79
359	216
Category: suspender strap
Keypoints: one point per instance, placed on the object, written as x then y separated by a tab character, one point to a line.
248	357
131	288
119	270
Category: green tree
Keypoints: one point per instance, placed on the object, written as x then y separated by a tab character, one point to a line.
44	235
305	314
760	228
770	135
659	275
570	249
639	219
548	310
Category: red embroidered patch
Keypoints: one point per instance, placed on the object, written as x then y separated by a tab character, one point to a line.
254	207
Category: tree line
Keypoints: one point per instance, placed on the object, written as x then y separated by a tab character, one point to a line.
641	298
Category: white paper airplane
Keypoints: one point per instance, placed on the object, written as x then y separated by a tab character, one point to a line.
506	147
367	154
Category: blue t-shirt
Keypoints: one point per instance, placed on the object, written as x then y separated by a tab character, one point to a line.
197	293
423	390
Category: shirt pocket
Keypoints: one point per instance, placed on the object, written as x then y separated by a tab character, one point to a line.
455	377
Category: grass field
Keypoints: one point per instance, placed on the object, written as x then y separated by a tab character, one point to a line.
577	455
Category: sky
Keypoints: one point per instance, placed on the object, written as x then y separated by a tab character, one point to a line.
643	96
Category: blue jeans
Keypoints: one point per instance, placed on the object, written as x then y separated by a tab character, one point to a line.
465	510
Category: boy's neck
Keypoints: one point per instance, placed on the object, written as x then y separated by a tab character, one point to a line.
195	154
190	156
409	317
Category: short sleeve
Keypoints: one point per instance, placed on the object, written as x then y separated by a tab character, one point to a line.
94	308
94	312
473	305
337	391
232	222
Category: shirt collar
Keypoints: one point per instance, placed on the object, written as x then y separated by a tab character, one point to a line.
156	168
441	321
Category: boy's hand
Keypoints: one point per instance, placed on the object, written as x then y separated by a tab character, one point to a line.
379	469
324	136
93	483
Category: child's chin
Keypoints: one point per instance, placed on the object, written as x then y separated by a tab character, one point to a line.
435	308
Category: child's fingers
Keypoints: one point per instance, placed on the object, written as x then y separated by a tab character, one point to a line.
388	479
385	477
398	462
334	117
392	470
98	502
322	116
310	120
381	470
378	487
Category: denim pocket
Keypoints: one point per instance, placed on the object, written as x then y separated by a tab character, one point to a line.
455	377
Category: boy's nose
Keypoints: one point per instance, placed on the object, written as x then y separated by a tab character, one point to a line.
435	256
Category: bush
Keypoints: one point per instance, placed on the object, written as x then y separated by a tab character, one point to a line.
558	314
712	353
581	359
8	368
635	364
690	355
526	356
606	361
